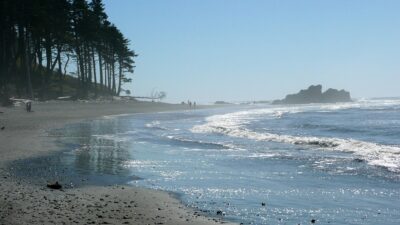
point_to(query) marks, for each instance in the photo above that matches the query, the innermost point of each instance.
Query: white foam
(155, 123)
(117, 115)
(141, 163)
(199, 142)
(112, 137)
(233, 124)
(361, 104)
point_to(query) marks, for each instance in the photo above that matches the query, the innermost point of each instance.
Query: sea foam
(234, 125)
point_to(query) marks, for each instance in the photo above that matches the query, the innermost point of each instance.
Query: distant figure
(194, 105)
(190, 104)
(28, 106)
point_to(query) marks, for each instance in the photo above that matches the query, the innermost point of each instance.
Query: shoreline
(24, 136)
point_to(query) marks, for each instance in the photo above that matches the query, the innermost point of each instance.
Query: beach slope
(24, 136)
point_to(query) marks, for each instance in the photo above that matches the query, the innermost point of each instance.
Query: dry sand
(24, 136)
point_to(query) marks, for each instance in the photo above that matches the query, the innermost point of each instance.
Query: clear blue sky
(209, 50)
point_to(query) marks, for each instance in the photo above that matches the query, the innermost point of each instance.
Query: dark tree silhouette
(40, 39)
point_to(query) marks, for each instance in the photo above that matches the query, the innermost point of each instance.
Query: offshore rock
(314, 94)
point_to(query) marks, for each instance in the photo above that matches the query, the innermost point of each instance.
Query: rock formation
(314, 94)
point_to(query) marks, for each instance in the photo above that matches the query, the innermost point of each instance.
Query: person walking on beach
(28, 106)
(194, 105)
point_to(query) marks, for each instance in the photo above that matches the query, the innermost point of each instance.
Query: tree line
(41, 40)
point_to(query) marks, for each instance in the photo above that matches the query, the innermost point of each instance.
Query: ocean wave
(117, 115)
(363, 104)
(329, 128)
(111, 137)
(244, 117)
(234, 125)
(202, 144)
(142, 163)
(155, 125)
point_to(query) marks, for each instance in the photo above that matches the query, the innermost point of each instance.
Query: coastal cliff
(314, 94)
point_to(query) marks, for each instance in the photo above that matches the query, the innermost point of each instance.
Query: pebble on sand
(220, 213)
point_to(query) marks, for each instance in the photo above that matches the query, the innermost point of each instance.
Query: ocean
(256, 164)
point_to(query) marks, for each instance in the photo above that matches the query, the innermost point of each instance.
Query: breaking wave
(198, 144)
(234, 125)
(155, 125)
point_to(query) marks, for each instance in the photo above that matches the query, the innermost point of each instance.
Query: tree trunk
(28, 67)
(120, 78)
(21, 56)
(40, 59)
(105, 75)
(108, 76)
(89, 67)
(65, 66)
(60, 75)
(100, 70)
(81, 71)
(94, 73)
(113, 77)
(48, 66)
(3, 60)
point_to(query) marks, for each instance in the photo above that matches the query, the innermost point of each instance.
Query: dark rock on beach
(55, 185)
(314, 94)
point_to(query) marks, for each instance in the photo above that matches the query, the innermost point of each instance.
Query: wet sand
(24, 136)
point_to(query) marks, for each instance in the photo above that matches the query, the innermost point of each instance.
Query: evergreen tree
(39, 37)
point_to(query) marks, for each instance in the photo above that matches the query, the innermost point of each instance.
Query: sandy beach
(24, 136)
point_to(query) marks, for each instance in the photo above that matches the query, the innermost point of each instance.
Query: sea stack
(314, 94)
